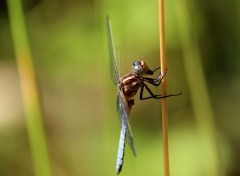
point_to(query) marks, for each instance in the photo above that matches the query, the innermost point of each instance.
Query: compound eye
(137, 68)
(136, 63)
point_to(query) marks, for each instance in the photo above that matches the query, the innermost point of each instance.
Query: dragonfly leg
(153, 95)
(157, 81)
(151, 72)
(156, 69)
(141, 93)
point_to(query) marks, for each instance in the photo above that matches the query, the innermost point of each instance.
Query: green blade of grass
(29, 90)
(198, 90)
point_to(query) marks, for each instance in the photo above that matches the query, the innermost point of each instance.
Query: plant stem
(202, 108)
(30, 94)
(164, 89)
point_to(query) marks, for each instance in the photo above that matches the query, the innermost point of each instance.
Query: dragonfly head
(141, 68)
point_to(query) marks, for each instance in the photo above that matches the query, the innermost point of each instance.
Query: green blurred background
(69, 47)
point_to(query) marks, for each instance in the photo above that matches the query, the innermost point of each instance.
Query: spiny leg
(155, 69)
(152, 94)
(155, 81)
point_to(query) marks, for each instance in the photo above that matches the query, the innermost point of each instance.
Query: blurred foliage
(69, 46)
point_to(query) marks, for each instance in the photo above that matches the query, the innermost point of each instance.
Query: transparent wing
(122, 105)
(123, 112)
(114, 70)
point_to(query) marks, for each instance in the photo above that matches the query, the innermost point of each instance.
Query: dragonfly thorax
(129, 85)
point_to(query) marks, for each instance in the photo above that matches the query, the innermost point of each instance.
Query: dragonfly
(127, 87)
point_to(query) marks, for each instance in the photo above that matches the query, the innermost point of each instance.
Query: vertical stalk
(29, 90)
(164, 89)
(202, 107)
